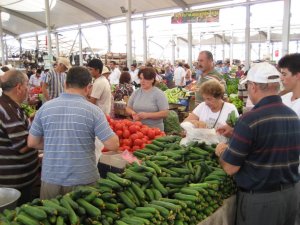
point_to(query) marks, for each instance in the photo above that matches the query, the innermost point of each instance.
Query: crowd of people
(262, 152)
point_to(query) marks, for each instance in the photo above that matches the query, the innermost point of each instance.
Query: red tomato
(140, 134)
(124, 147)
(149, 142)
(127, 122)
(119, 133)
(118, 126)
(151, 134)
(144, 130)
(134, 136)
(132, 129)
(127, 142)
(126, 133)
(157, 131)
(108, 118)
(134, 148)
(144, 126)
(137, 142)
(138, 123)
(144, 139)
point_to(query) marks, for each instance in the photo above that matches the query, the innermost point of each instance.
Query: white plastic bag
(98, 149)
(209, 136)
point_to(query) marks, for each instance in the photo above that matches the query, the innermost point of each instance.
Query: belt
(274, 188)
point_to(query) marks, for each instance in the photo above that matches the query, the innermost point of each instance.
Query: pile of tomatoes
(133, 135)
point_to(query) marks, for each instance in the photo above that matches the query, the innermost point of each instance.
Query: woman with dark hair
(148, 104)
(124, 88)
(188, 74)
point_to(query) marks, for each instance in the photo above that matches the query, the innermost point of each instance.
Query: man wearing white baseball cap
(263, 153)
(54, 82)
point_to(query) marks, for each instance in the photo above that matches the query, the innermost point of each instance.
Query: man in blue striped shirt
(263, 154)
(66, 128)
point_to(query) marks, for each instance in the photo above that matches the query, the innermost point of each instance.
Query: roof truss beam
(85, 9)
(24, 17)
(10, 33)
(182, 4)
(222, 38)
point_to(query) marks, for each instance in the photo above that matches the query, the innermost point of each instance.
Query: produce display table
(225, 215)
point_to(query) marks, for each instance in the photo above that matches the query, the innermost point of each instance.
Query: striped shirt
(266, 145)
(55, 83)
(69, 125)
(16, 170)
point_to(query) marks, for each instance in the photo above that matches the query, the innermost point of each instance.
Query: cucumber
(110, 214)
(127, 201)
(173, 180)
(156, 193)
(138, 191)
(150, 194)
(182, 171)
(90, 197)
(186, 197)
(158, 144)
(99, 203)
(71, 202)
(114, 177)
(146, 210)
(135, 176)
(107, 196)
(90, 209)
(26, 219)
(154, 166)
(60, 220)
(109, 183)
(61, 210)
(119, 222)
(167, 205)
(35, 212)
(73, 218)
(153, 147)
(49, 210)
(162, 210)
(189, 191)
(159, 186)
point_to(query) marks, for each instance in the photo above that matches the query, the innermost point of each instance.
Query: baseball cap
(262, 73)
(65, 62)
(105, 70)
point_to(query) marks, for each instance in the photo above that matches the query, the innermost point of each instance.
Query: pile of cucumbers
(173, 185)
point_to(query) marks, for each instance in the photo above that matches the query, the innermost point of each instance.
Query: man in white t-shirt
(134, 74)
(179, 75)
(101, 93)
(290, 77)
(115, 74)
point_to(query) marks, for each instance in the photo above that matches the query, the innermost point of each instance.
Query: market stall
(172, 184)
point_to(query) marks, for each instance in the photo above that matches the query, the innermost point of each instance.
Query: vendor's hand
(225, 130)
(135, 117)
(143, 115)
(220, 149)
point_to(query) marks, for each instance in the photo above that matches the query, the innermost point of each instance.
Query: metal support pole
(223, 47)
(129, 35)
(20, 46)
(36, 42)
(80, 46)
(145, 40)
(57, 45)
(49, 42)
(173, 49)
(108, 37)
(82, 34)
(269, 43)
(190, 44)
(1, 41)
(259, 45)
(286, 27)
(73, 44)
(231, 47)
(247, 38)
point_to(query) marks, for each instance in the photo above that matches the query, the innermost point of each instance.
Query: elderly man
(263, 154)
(54, 81)
(18, 163)
(66, 128)
(206, 65)
(290, 77)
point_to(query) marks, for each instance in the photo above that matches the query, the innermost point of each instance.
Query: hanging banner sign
(206, 16)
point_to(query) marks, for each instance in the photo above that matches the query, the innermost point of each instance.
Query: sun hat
(105, 70)
(65, 62)
(262, 73)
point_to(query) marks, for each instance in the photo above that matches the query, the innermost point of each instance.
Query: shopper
(18, 163)
(213, 112)
(148, 104)
(115, 73)
(66, 128)
(124, 88)
(206, 65)
(290, 77)
(100, 93)
(179, 75)
(263, 154)
(53, 84)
